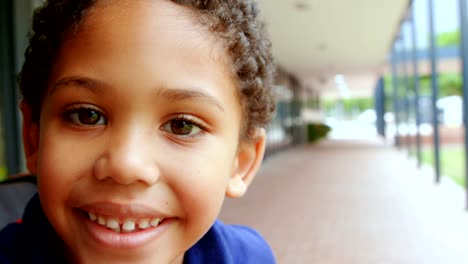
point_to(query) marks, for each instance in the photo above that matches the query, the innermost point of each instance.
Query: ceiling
(319, 39)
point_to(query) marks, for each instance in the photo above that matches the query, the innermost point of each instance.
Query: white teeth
(155, 222)
(101, 220)
(113, 223)
(144, 223)
(92, 216)
(129, 225)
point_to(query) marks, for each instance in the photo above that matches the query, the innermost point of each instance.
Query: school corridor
(353, 202)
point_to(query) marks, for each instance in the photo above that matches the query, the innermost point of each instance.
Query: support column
(417, 111)
(464, 59)
(8, 91)
(435, 112)
(379, 99)
(396, 99)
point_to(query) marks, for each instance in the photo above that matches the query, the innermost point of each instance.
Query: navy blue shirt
(35, 241)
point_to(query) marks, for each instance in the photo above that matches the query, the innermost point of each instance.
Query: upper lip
(123, 211)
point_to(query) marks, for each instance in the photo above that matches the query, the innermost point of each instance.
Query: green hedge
(3, 173)
(316, 132)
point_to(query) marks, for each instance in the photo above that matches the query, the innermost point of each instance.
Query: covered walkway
(353, 202)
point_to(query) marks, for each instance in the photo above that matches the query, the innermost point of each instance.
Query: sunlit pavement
(353, 201)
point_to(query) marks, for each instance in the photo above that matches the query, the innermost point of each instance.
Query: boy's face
(140, 123)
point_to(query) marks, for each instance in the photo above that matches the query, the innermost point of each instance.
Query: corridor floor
(353, 202)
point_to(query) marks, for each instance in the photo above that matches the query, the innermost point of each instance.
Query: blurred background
(368, 68)
(371, 105)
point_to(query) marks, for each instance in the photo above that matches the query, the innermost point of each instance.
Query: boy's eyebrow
(175, 94)
(184, 94)
(77, 81)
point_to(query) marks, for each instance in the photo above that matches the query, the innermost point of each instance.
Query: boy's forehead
(142, 35)
(135, 18)
(146, 16)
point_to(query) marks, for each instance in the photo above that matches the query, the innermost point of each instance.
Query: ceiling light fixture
(301, 5)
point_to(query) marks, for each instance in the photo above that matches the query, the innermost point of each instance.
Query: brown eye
(182, 127)
(86, 116)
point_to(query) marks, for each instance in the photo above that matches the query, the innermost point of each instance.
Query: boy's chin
(98, 244)
(84, 256)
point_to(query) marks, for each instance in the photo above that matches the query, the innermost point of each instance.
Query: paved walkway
(353, 202)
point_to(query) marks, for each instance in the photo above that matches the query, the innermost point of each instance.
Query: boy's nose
(127, 159)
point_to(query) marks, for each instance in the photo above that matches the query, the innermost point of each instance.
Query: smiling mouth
(125, 225)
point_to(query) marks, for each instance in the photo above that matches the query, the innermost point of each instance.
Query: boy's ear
(248, 161)
(30, 137)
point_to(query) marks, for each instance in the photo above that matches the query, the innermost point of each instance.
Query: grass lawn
(452, 160)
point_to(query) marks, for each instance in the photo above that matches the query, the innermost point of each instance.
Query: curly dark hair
(233, 21)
